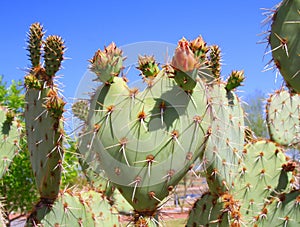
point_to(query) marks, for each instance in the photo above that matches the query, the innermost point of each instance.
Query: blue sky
(89, 25)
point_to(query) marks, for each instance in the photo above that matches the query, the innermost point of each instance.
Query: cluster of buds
(185, 65)
(148, 67)
(108, 63)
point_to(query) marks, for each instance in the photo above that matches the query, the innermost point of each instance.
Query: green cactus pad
(35, 37)
(215, 61)
(10, 135)
(147, 140)
(285, 42)
(235, 80)
(102, 212)
(261, 175)
(226, 143)
(53, 54)
(283, 118)
(283, 210)
(68, 210)
(212, 210)
(44, 138)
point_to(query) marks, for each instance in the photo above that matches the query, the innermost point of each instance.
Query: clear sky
(89, 25)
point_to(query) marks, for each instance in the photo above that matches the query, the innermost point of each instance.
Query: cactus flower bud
(185, 66)
(108, 63)
(235, 80)
(199, 48)
(184, 59)
(148, 66)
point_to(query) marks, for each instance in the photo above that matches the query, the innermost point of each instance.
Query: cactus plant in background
(224, 150)
(10, 134)
(43, 115)
(264, 175)
(283, 118)
(9, 147)
(285, 44)
(45, 137)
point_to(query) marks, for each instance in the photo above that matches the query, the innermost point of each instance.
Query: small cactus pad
(53, 54)
(283, 118)
(85, 208)
(226, 142)
(45, 139)
(35, 37)
(212, 210)
(102, 212)
(283, 210)
(235, 80)
(215, 61)
(285, 42)
(261, 175)
(9, 133)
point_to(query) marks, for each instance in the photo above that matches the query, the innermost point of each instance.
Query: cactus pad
(86, 208)
(261, 175)
(147, 140)
(35, 37)
(226, 143)
(283, 118)
(53, 54)
(285, 44)
(9, 132)
(283, 210)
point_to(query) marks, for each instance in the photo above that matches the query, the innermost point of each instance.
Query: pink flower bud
(184, 59)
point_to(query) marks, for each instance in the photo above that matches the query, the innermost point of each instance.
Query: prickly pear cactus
(85, 208)
(214, 210)
(285, 44)
(10, 134)
(43, 114)
(262, 174)
(283, 118)
(225, 145)
(148, 140)
(283, 210)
